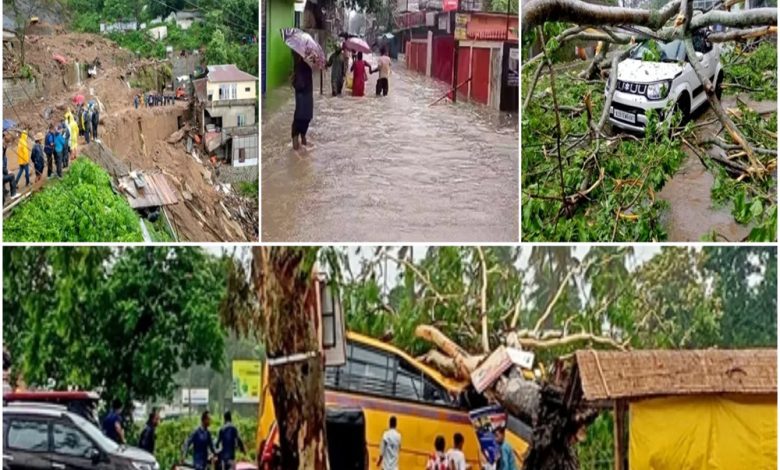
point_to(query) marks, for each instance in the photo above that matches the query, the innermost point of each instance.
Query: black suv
(44, 436)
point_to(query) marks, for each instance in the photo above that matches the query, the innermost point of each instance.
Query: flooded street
(692, 214)
(391, 168)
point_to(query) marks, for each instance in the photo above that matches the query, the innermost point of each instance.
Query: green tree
(217, 51)
(120, 320)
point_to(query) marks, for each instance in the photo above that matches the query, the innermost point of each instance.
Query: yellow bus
(380, 381)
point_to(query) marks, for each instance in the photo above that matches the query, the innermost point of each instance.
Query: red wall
(416, 56)
(443, 50)
(464, 58)
(480, 71)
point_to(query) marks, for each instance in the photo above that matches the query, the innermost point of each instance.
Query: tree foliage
(122, 321)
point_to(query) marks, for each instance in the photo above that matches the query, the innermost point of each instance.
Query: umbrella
(305, 46)
(78, 99)
(357, 44)
(8, 124)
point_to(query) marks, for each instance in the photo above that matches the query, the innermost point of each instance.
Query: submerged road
(391, 168)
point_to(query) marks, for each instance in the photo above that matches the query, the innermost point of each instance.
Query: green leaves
(80, 208)
(124, 320)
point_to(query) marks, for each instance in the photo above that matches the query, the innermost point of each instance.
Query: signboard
(461, 21)
(486, 421)
(449, 5)
(471, 5)
(247, 378)
(195, 396)
(513, 72)
(444, 22)
(413, 5)
(497, 363)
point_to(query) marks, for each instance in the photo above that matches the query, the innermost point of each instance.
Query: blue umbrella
(8, 124)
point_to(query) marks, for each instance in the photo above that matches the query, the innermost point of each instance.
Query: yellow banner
(247, 381)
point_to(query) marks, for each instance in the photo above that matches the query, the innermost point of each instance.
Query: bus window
(408, 384)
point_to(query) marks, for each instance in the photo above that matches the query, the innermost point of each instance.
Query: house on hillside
(678, 409)
(227, 99)
(184, 18)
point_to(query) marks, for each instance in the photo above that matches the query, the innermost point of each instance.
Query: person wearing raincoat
(74, 137)
(95, 118)
(65, 131)
(23, 157)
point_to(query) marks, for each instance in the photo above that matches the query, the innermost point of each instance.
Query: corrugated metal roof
(228, 73)
(606, 375)
(156, 192)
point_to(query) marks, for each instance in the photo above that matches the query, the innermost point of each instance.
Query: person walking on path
(60, 144)
(135, 101)
(66, 151)
(95, 118)
(23, 158)
(506, 455)
(359, 75)
(86, 118)
(201, 443)
(383, 84)
(37, 156)
(112, 423)
(455, 456)
(338, 62)
(8, 178)
(438, 460)
(227, 442)
(147, 438)
(48, 149)
(304, 101)
(390, 447)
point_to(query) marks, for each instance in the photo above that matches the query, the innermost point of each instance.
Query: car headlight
(145, 466)
(658, 90)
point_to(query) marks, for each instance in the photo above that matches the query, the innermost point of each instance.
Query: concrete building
(158, 33)
(185, 18)
(228, 99)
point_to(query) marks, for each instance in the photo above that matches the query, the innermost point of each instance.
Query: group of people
(341, 64)
(51, 152)
(151, 100)
(204, 450)
(452, 459)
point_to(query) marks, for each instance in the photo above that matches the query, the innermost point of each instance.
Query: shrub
(81, 207)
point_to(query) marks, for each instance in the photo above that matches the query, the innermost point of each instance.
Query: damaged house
(226, 100)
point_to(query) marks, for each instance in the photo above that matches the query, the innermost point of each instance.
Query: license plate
(622, 115)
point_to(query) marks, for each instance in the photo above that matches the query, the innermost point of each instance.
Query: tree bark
(283, 280)
(536, 12)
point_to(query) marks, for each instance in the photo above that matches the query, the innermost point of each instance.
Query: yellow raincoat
(74, 135)
(23, 150)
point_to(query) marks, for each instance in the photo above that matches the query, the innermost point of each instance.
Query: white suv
(658, 76)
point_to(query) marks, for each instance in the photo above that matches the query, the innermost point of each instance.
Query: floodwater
(390, 168)
(692, 213)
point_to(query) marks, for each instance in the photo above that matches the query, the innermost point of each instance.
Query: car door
(71, 448)
(26, 444)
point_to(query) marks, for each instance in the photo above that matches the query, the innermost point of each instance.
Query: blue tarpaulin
(8, 124)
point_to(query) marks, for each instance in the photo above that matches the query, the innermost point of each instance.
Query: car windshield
(94, 433)
(658, 51)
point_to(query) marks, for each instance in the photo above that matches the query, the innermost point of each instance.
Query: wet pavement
(692, 214)
(391, 168)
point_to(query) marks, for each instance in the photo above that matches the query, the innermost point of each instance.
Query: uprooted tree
(616, 29)
(553, 304)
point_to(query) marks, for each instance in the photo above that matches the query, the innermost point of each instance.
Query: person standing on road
(359, 75)
(438, 460)
(383, 84)
(23, 158)
(506, 455)
(390, 447)
(304, 101)
(48, 149)
(201, 443)
(147, 438)
(337, 60)
(37, 156)
(112, 423)
(7, 177)
(227, 441)
(60, 144)
(455, 456)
